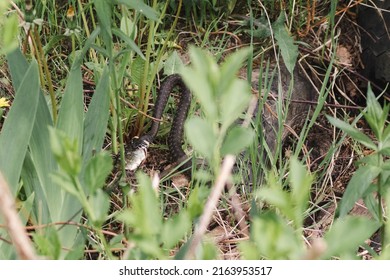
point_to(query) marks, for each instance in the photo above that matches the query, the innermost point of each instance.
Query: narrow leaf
(353, 132)
(96, 118)
(141, 7)
(128, 41)
(40, 162)
(300, 181)
(18, 126)
(374, 115)
(87, 45)
(104, 10)
(71, 115)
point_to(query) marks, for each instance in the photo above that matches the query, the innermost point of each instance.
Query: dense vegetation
(79, 80)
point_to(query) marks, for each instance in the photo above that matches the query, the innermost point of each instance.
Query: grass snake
(139, 145)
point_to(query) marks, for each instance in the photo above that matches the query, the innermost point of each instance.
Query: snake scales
(140, 145)
(296, 114)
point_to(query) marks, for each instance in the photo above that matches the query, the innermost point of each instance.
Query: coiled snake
(297, 112)
(138, 146)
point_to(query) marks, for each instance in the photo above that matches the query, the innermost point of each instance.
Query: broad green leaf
(353, 132)
(201, 78)
(47, 192)
(233, 101)
(201, 136)
(96, 172)
(197, 200)
(357, 229)
(372, 205)
(65, 151)
(274, 238)
(63, 180)
(174, 229)
(67, 154)
(386, 165)
(33, 187)
(144, 217)
(18, 67)
(277, 198)
(230, 67)
(236, 140)
(201, 89)
(137, 70)
(248, 250)
(71, 114)
(48, 243)
(357, 186)
(18, 126)
(385, 149)
(40, 162)
(100, 204)
(205, 64)
(286, 43)
(300, 181)
(96, 118)
(141, 7)
(151, 247)
(173, 64)
(77, 252)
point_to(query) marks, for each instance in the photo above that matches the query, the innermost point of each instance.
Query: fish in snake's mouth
(139, 145)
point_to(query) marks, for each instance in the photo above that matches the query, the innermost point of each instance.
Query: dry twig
(15, 227)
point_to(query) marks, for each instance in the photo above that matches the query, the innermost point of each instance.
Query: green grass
(94, 87)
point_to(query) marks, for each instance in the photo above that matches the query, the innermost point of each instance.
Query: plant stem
(380, 212)
(41, 58)
(89, 211)
(145, 90)
(119, 122)
(144, 94)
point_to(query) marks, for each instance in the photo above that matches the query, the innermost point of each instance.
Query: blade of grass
(18, 127)
(70, 121)
(96, 118)
(70, 117)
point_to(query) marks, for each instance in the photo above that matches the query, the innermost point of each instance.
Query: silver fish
(136, 158)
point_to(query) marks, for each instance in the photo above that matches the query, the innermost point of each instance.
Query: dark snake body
(297, 114)
(176, 133)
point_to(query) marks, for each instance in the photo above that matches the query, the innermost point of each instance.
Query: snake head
(138, 152)
(139, 143)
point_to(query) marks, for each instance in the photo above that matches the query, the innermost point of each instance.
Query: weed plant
(57, 138)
